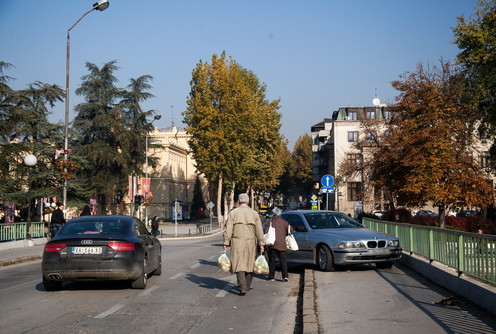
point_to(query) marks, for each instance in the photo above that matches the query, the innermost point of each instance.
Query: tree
(428, 155)
(24, 129)
(111, 128)
(301, 165)
(234, 129)
(476, 37)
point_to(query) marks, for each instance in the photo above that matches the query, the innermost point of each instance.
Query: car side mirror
(300, 229)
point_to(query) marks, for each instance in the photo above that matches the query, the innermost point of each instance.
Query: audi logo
(86, 242)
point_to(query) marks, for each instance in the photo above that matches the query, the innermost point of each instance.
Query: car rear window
(325, 220)
(93, 227)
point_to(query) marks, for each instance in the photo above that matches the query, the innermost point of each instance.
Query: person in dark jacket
(155, 226)
(279, 247)
(57, 219)
(86, 211)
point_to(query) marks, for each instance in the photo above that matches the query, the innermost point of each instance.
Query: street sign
(327, 181)
(313, 197)
(210, 205)
(329, 190)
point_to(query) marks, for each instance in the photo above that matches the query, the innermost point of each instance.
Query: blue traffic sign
(327, 181)
(329, 190)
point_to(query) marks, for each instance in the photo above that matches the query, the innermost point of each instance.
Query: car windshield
(325, 220)
(93, 227)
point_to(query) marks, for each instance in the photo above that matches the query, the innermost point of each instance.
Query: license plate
(86, 250)
(379, 251)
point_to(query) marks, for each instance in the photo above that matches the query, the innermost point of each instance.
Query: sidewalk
(19, 251)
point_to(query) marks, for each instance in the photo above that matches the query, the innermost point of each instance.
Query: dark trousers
(283, 262)
(244, 280)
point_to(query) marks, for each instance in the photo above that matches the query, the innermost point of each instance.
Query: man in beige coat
(244, 234)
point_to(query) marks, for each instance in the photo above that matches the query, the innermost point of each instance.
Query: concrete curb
(9, 262)
(309, 312)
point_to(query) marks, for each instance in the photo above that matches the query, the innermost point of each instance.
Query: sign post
(327, 181)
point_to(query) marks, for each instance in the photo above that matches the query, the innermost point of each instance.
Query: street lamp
(101, 5)
(156, 118)
(30, 161)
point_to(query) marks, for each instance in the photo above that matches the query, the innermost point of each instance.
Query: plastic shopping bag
(224, 262)
(270, 236)
(261, 265)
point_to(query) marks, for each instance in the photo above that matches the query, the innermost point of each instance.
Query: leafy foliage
(428, 156)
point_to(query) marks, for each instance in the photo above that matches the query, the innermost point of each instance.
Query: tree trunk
(442, 215)
(220, 220)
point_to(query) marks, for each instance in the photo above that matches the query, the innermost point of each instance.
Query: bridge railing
(468, 253)
(17, 231)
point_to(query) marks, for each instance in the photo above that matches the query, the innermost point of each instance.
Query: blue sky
(315, 55)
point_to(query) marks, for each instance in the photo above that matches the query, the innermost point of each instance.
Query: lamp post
(156, 118)
(101, 5)
(30, 161)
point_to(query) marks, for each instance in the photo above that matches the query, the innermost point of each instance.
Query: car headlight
(393, 243)
(351, 244)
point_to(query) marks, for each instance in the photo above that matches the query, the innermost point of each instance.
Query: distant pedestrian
(279, 248)
(57, 219)
(86, 211)
(155, 226)
(244, 235)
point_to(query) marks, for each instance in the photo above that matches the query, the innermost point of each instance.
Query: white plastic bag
(224, 262)
(261, 265)
(270, 236)
(291, 243)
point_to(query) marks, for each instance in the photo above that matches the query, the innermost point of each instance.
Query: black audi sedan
(101, 248)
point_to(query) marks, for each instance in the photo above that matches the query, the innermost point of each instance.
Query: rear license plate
(87, 250)
(379, 251)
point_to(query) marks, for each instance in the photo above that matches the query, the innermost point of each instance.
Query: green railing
(17, 231)
(468, 253)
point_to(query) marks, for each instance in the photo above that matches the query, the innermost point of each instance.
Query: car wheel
(158, 271)
(325, 259)
(51, 285)
(140, 282)
(384, 265)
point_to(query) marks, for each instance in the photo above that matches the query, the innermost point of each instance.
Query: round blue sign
(327, 181)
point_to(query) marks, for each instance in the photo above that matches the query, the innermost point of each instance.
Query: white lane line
(195, 265)
(148, 291)
(228, 287)
(109, 311)
(177, 275)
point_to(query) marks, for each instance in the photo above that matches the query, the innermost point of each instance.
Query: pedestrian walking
(155, 226)
(244, 235)
(86, 211)
(279, 247)
(57, 219)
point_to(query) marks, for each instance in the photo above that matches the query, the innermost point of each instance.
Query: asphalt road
(191, 296)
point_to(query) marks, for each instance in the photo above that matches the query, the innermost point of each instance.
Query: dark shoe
(243, 292)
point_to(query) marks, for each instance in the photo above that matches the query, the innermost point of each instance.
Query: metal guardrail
(17, 231)
(468, 253)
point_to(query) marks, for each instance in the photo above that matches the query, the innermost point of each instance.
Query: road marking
(195, 265)
(33, 282)
(176, 276)
(148, 291)
(110, 311)
(228, 287)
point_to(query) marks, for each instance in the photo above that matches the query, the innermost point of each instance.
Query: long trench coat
(244, 234)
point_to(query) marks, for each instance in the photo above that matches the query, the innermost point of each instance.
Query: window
(370, 137)
(354, 159)
(484, 159)
(354, 191)
(294, 220)
(352, 115)
(387, 114)
(352, 136)
(371, 114)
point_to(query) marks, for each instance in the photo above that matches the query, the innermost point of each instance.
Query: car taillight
(121, 246)
(54, 247)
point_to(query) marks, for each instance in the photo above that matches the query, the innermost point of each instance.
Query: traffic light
(137, 200)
